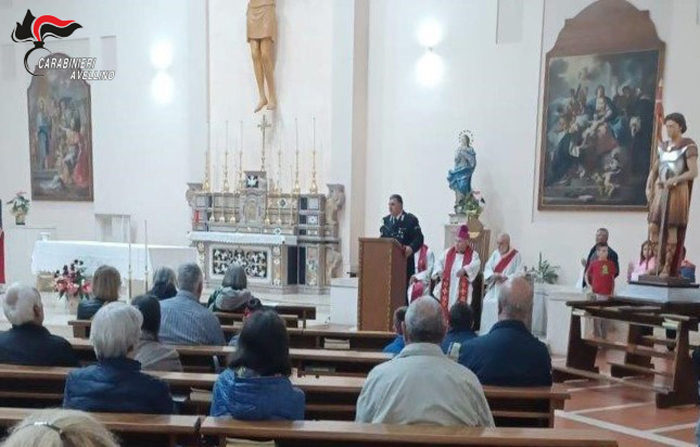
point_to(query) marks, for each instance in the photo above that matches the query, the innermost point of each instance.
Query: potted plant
(71, 283)
(544, 273)
(20, 207)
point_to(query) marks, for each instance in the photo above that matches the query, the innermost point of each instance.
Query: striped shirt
(183, 321)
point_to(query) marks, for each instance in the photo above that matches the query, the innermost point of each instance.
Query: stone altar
(287, 242)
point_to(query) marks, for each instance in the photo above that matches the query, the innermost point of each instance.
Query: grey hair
(189, 276)
(425, 321)
(235, 277)
(57, 428)
(18, 304)
(515, 300)
(116, 328)
(164, 275)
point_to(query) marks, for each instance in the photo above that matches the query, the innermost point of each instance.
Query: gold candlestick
(313, 189)
(226, 185)
(296, 189)
(206, 186)
(240, 161)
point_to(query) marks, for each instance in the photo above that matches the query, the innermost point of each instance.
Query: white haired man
(116, 384)
(28, 342)
(504, 263)
(421, 385)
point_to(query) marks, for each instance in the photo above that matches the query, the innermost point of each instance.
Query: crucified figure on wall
(261, 21)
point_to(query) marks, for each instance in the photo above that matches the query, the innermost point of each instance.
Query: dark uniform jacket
(405, 229)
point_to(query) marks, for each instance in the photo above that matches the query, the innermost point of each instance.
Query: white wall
(494, 91)
(144, 153)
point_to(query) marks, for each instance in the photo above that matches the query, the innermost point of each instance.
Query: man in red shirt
(600, 277)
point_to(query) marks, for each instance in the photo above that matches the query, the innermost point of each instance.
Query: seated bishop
(457, 269)
(419, 283)
(505, 263)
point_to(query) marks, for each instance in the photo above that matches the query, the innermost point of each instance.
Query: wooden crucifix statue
(261, 26)
(669, 188)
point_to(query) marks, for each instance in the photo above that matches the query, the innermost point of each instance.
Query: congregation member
(419, 282)
(601, 273)
(183, 320)
(421, 385)
(150, 352)
(461, 321)
(28, 342)
(60, 428)
(398, 343)
(646, 265)
(256, 385)
(601, 236)
(116, 384)
(405, 228)
(509, 355)
(504, 263)
(233, 294)
(164, 283)
(106, 283)
(457, 269)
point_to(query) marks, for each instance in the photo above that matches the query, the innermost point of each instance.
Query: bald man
(509, 355)
(421, 385)
(505, 263)
(29, 342)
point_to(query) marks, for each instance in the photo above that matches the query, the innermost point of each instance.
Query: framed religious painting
(598, 126)
(60, 136)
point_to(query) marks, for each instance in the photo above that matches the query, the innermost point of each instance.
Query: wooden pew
(327, 397)
(321, 337)
(306, 361)
(227, 318)
(346, 434)
(132, 429)
(317, 337)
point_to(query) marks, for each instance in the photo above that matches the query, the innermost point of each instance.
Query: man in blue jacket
(509, 355)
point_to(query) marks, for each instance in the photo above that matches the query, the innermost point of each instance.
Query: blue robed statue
(460, 177)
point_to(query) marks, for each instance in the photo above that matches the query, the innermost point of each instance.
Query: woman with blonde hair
(60, 428)
(106, 283)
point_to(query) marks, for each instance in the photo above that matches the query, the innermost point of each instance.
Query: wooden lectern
(382, 287)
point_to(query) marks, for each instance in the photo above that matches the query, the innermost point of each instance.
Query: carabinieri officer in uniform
(403, 227)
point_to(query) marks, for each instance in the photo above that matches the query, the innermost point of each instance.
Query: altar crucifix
(263, 126)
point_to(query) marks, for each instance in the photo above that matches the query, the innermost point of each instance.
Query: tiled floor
(627, 414)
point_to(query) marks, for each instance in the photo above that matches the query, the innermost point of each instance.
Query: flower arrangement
(473, 205)
(71, 281)
(20, 204)
(545, 272)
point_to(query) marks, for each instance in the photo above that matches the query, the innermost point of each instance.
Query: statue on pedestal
(668, 190)
(460, 177)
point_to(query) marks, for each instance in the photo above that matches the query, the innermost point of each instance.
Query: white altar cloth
(242, 238)
(49, 256)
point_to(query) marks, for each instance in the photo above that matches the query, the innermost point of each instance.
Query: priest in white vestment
(457, 269)
(505, 263)
(419, 283)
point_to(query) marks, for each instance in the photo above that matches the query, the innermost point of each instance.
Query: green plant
(472, 205)
(20, 204)
(545, 272)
